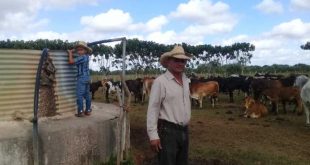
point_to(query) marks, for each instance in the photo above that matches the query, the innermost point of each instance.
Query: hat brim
(181, 56)
(88, 49)
(166, 56)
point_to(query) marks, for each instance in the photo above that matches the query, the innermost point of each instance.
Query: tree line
(143, 56)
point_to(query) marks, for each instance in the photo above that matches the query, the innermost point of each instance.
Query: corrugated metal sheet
(17, 81)
(65, 86)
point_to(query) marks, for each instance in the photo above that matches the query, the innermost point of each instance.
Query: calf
(135, 87)
(254, 109)
(111, 88)
(95, 86)
(284, 94)
(147, 86)
(199, 90)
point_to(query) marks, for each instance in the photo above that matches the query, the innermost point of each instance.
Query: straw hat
(83, 45)
(176, 52)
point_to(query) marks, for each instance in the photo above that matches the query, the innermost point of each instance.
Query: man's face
(176, 65)
(81, 50)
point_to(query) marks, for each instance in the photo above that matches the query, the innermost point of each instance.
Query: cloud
(65, 4)
(203, 12)
(20, 17)
(15, 6)
(279, 51)
(156, 23)
(12, 23)
(267, 44)
(279, 45)
(163, 37)
(238, 38)
(280, 56)
(215, 28)
(51, 35)
(172, 37)
(300, 4)
(118, 21)
(204, 18)
(270, 7)
(114, 20)
(294, 29)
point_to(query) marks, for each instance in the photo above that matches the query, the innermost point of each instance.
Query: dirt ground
(222, 136)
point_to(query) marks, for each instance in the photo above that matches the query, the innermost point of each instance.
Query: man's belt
(165, 123)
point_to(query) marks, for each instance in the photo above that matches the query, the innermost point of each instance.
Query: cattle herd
(259, 91)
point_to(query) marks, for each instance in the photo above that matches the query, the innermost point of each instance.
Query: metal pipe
(123, 99)
(122, 118)
(124, 67)
(35, 132)
(119, 133)
(105, 41)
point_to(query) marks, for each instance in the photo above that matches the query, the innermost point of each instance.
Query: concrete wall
(63, 139)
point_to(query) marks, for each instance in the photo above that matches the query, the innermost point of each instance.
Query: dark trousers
(174, 141)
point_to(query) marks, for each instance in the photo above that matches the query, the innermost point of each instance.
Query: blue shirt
(82, 64)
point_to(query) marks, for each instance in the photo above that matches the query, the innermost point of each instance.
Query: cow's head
(248, 102)
(103, 82)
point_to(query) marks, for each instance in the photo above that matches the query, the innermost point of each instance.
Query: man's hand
(155, 145)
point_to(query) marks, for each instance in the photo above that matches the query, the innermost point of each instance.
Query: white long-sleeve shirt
(168, 101)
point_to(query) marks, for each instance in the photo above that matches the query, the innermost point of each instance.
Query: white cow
(303, 82)
(300, 81)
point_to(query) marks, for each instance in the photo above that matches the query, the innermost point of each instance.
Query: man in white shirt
(169, 110)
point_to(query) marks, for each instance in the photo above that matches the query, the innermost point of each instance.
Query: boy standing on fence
(83, 78)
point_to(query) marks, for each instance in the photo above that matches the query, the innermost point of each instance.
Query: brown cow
(254, 109)
(259, 85)
(201, 89)
(284, 94)
(147, 86)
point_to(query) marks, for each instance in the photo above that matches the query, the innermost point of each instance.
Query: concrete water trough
(63, 139)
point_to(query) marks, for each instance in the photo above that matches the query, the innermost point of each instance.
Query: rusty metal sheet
(65, 85)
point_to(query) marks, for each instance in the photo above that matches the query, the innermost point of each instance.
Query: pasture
(222, 136)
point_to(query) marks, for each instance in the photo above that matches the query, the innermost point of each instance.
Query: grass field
(222, 136)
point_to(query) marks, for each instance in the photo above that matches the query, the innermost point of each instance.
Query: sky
(277, 28)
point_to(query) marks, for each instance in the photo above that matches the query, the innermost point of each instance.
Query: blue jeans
(82, 92)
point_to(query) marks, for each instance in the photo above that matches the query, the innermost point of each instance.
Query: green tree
(306, 46)
(143, 56)
(242, 53)
(103, 55)
(232, 69)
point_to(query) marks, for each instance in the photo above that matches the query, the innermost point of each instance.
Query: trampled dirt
(222, 136)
